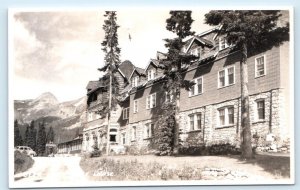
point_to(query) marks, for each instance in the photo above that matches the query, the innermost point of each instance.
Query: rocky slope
(64, 117)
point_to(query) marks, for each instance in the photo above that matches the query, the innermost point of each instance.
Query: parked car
(26, 150)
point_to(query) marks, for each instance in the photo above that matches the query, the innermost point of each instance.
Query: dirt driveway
(52, 171)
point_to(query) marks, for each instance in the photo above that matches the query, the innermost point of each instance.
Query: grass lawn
(149, 167)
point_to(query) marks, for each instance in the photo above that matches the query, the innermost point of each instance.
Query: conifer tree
(17, 135)
(111, 63)
(30, 136)
(250, 32)
(41, 139)
(50, 135)
(174, 64)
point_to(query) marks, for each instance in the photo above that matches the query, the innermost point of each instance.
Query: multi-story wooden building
(211, 110)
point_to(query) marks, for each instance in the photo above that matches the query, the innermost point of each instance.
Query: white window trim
(123, 134)
(265, 67)
(256, 110)
(195, 121)
(226, 119)
(171, 97)
(147, 125)
(196, 85)
(135, 81)
(153, 74)
(133, 133)
(226, 76)
(226, 44)
(151, 101)
(125, 113)
(135, 106)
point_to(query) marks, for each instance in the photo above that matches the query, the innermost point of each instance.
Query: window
(260, 66)
(133, 133)
(123, 138)
(151, 101)
(260, 109)
(125, 113)
(134, 81)
(226, 77)
(192, 123)
(230, 115)
(151, 74)
(169, 96)
(222, 116)
(197, 88)
(196, 51)
(198, 121)
(148, 130)
(226, 116)
(195, 121)
(135, 106)
(223, 43)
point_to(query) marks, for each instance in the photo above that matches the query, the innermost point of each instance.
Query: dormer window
(223, 43)
(134, 81)
(196, 51)
(151, 74)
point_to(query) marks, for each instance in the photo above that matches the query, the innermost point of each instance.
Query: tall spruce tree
(17, 135)
(174, 64)
(30, 136)
(111, 63)
(250, 32)
(41, 139)
(50, 135)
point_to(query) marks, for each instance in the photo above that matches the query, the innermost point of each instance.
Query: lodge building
(210, 111)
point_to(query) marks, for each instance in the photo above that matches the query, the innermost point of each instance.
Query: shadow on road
(276, 165)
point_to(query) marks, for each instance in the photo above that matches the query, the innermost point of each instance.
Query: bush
(96, 152)
(22, 162)
(214, 149)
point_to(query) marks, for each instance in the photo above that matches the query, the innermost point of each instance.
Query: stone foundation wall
(211, 132)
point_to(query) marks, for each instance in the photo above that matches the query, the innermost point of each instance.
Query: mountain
(66, 118)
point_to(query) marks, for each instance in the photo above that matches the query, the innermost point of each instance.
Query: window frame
(196, 126)
(133, 133)
(152, 73)
(221, 40)
(265, 67)
(148, 127)
(135, 106)
(226, 116)
(195, 88)
(126, 113)
(257, 109)
(149, 99)
(226, 76)
(135, 81)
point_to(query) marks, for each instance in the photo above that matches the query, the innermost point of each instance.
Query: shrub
(96, 152)
(220, 148)
(22, 162)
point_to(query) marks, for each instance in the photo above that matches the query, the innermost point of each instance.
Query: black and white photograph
(144, 96)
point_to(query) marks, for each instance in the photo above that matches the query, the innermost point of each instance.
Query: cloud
(58, 51)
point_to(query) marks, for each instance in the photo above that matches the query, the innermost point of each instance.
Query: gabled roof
(140, 72)
(201, 40)
(126, 68)
(155, 62)
(94, 84)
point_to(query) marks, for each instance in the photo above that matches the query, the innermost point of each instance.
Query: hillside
(66, 118)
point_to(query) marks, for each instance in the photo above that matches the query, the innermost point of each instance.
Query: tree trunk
(246, 146)
(176, 124)
(108, 115)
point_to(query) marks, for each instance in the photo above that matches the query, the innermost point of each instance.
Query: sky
(60, 51)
